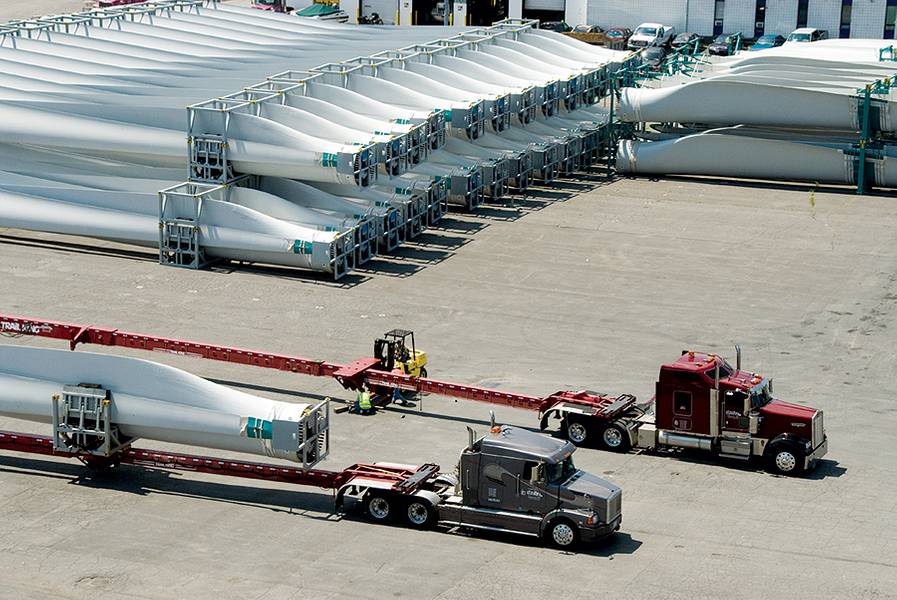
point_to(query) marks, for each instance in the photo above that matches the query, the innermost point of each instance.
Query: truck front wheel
(615, 438)
(563, 534)
(784, 458)
(379, 507)
(420, 514)
(577, 431)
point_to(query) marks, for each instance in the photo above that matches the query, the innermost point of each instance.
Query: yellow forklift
(393, 351)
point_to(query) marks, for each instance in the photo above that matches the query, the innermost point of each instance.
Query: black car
(558, 26)
(686, 41)
(653, 56)
(723, 45)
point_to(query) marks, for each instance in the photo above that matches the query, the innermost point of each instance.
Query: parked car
(323, 12)
(373, 19)
(558, 26)
(114, 3)
(651, 34)
(808, 34)
(587, 29)
(616, 37)
(724, 44)
(654, 56)
(765, 42)
(686, 40)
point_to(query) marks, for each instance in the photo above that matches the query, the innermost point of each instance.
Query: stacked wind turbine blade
(340, 152)
(794, 113)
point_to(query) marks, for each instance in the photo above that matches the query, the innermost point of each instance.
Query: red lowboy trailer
(701, 401)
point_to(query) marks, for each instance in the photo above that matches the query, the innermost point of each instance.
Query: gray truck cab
(516, 480)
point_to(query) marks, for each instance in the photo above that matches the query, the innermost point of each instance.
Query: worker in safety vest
(363, 403)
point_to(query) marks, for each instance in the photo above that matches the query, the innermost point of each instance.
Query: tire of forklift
(423, 372)
(615, 438)
(379, 506)
(419, 514)
(576, 430)
(784, 458)
(562, 534)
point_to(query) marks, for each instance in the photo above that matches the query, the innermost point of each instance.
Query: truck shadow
(825, 468)
(619, 543)
(270, 389)
(146, 481)
(414, 409)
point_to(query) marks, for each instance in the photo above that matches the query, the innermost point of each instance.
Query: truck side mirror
(536, 474)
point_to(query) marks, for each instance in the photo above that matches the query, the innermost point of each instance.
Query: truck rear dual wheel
(611, 437)
(576, 430)
(419, 514)
(615, 438)
(384, 508)
(379, 507)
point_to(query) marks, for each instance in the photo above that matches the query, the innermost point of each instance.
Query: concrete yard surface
(589, 286)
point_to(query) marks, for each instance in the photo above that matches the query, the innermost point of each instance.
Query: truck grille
(818, 429)
(614, 506)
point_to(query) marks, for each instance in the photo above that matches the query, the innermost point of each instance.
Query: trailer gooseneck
(701, 401)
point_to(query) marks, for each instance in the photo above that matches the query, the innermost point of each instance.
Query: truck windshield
(799, 37)
(560, 472)
(725, 370)
(649, 31)
(760, 397)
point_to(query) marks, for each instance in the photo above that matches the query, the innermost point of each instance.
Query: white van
(651, 34)
(807, 34)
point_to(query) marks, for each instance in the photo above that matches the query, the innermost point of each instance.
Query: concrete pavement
(593, 288)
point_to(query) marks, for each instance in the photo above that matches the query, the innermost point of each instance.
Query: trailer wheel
(419, 514)
(615, 438)
(562, 534)
(784, 458)
(576, 431)
(379, 507)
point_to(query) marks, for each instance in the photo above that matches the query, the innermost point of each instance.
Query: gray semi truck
(510, 480)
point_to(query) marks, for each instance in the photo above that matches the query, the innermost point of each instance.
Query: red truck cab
(703, 402)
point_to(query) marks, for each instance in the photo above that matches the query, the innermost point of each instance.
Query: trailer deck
(361, 372)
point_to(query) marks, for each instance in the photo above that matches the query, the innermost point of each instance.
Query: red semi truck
(702, 402)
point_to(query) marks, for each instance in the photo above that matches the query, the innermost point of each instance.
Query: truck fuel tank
(667, 438)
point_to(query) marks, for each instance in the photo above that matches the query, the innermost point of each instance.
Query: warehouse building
(841, 18)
